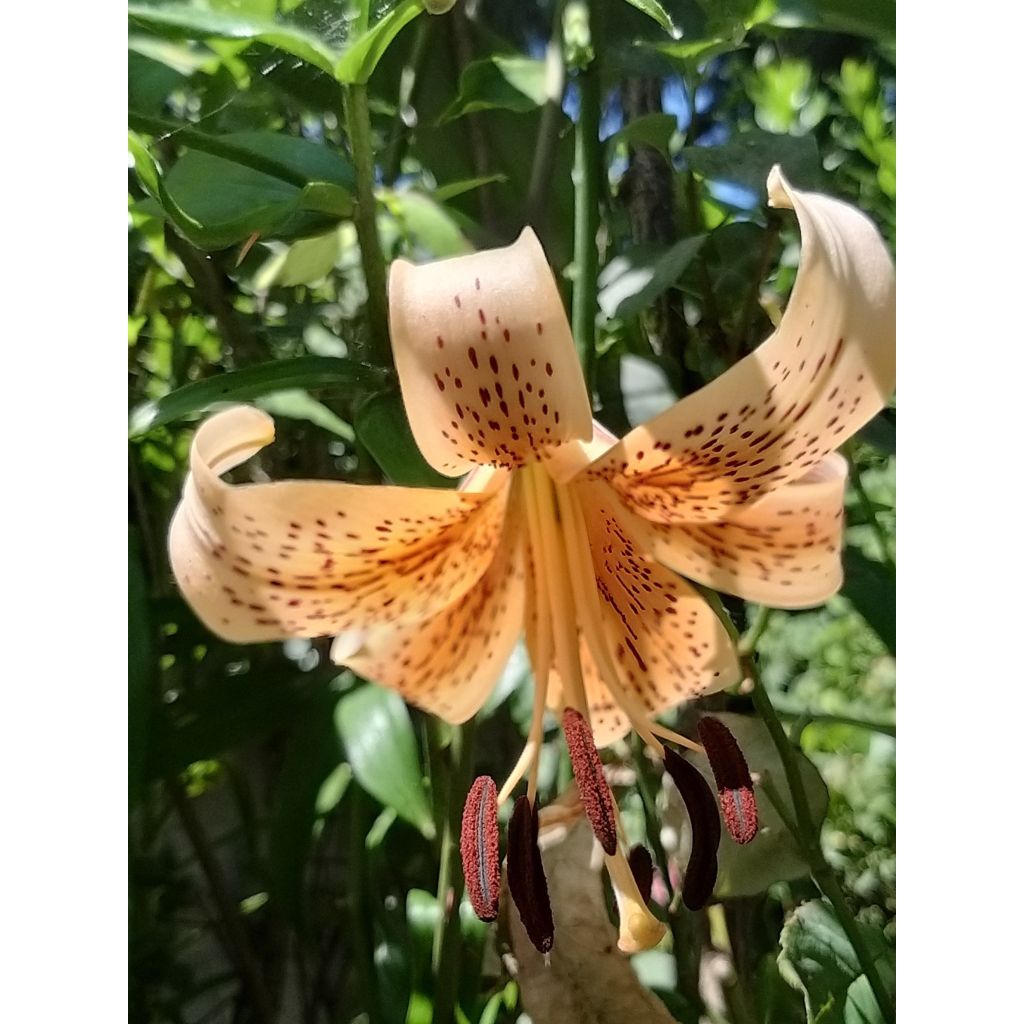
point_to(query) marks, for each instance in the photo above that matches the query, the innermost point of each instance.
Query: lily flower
(559, 529)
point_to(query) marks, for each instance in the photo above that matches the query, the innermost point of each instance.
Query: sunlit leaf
(375, 727)
(244, 385)
(506, 82)
(190, 21)
(358, 61)
(632, 280)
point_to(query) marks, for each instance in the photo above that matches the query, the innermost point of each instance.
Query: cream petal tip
(778, 189)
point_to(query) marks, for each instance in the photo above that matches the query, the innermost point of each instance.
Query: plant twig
(544, 154)
(870, 509)
(357, 121)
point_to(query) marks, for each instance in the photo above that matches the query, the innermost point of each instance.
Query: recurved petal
(449, 664)
(485, 357)
(668, 646)
(827, 369)
(260, 562)
(783, 550)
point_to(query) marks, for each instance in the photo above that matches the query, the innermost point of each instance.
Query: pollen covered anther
(732, 777)
(705, 827)
(642, 866)
(481, 862)
(526, 880)
(589, 774)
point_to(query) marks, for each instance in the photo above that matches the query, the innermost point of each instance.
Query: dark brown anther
(705, 826)
(526, 879)
(732, 777)
(481, 862)
(589, 774)
(642, 866)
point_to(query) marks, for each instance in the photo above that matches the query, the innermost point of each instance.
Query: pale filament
(529, 759)
(676, 737)
(588, 604)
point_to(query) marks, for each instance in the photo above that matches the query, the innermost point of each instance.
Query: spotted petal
(310, 558)
(449, 664)
(783, 550)
(827, 369)
(667, 644)
(485, 358)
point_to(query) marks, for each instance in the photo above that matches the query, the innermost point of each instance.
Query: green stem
(885, 728)
(586, 175)
(357, 121)
(448, 936)
(547, 132)
(408, 89)
(806, 835)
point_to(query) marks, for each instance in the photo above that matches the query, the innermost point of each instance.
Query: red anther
(481, 863)
(589, 774)
(732, 777)
(705, 826)
(526, 879)
(642, 866)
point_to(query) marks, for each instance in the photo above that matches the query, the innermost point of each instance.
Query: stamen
(589, 774)
(732, 777)
(589, 607)
(676, 737)
(639, 929)
(481, 863)
(544, 525)
(705, 827)
(526, 879)
(642, 866)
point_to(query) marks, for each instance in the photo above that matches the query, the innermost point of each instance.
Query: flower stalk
(586, 176)
(357, 123)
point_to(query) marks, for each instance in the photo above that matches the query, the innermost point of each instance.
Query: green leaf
(870, 587)
(503, 82)
(875, 19)
(218, 201)
(817, 957)
(654, 10)
(773, 856)
(375, 727)
(358, 61)
(426, 223)
(748, 157)
(311, 758)
(650, 130)
(382, 425)
(632, 281)
(296, 404)
(252, 382)
(180, 20)
(145, 166)
(457, 188)
(304, 261)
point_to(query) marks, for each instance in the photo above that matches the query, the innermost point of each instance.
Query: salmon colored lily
(558, 528)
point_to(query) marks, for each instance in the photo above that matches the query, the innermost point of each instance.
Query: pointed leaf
(633, 280)
(252, 382)
(358, 61)
(504, 82)
(189, 21)
(375, 727)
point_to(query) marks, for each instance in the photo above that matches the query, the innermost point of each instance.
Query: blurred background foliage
(288, 821)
